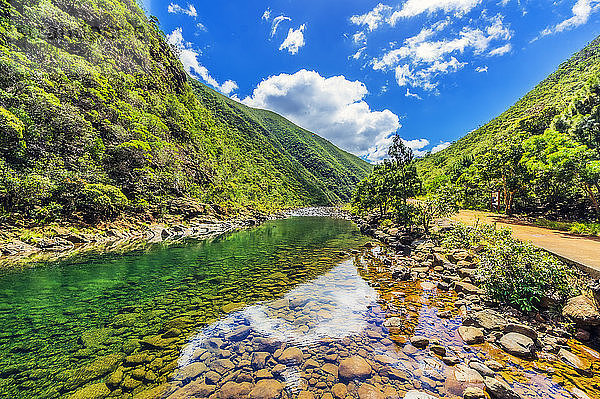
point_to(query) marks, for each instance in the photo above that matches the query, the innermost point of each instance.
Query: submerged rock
(95, 391)
(266, 389)
(414, 394)
(354, 367)
(500, 390)
(573, 360)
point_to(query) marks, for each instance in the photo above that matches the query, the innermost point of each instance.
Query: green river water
(271, 312)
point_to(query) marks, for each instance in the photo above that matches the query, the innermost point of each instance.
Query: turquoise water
(71, 324)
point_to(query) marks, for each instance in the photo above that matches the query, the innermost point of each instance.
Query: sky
(358, 72)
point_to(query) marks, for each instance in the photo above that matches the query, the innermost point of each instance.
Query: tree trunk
(506, 199)
(590, 192)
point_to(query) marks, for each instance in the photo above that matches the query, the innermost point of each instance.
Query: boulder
(499, 389)
(354, 367)
(518, 345)
(467, 288)
(95, 391)
(339, 390)
(234, 390)
(582, 311)
(239, 333)
(573, 360)
(466, 374)
(414, 394)
(521, 329)
(474, 393)
(488, 319)
(471, 335)
(418, 341)
(482, 369)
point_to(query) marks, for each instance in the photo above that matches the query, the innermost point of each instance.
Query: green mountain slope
(97, 117)
(463, 161)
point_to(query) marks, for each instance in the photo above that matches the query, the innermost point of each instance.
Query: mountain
(98, 117)
(505, 143)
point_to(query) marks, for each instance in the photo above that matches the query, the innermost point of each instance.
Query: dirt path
(584, 251)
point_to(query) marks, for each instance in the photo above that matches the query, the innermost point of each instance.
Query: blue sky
(356, 71)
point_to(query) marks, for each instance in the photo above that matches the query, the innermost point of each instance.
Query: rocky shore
(58, 242)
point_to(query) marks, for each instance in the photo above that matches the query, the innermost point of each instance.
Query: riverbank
(20, 247)
(566, 333)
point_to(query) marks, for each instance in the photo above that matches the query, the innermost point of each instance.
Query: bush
(512, 271)
(102, 201)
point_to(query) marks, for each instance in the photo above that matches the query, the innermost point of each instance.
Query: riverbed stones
(573, 360)
(354, 367)
(95, 391)
(521, 329)
(291, 355)
(234, 390)
(467, 288)
(471, 335)
(518, 345)
(239, 333)
(482, 369)
(414, 394)
(368, 391)
(463, 373)
(582, 311)
(474, 393)
(487, 319)
(499, 389)
(339, 390)
(266, 389)
(419, 341)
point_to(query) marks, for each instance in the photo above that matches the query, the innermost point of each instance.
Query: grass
(579, 228)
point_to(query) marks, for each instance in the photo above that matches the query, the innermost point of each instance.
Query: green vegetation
(512, 271)
(542, 154)
(393, 183)
(98, 117)
(586, 229)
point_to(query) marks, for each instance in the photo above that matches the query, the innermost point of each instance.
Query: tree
(441, 203)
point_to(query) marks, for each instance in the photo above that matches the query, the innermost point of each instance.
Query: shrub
(102, 201)
(512, 271)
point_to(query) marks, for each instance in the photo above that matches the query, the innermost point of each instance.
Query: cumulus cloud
(276, 21)
(177, 9)
(422, 58)
(440, 147)
(582, 10)
(189, 58)
(334, 108)
(294, 40)
(481, 69)
(374, 18)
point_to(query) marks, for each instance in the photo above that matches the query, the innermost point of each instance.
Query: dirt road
(584, 251)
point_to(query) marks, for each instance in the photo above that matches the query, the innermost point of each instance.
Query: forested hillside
(98, 117)
(541, 154)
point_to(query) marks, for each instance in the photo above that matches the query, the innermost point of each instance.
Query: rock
(98, 368)
(95, 391)
(471, 335)
(414, 394)
(467, 288)
(263, 374)
(212, 377)
(188, 207)
(339, 390)
(474, 393)
(95, 337)
(330, 368)
(579, 394)
(239, 333)
(518, 345)
(368, 391)
(394, 322)
(259, 360)
(450, 360)
(573, 360)
(266, 389)
(427, 286)
(230, 307)
(582, 335)
(494, 365)
(306, 395)
(499, 389)
(482, 369)
(418, 341)
(582, 311)
(291, 355)
(521, 329)
(438, 350)
(487, 319)
(402, 274)
(354, 367)
(464, 373)
(234, 390)
(191, 371)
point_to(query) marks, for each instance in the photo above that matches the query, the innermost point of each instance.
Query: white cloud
(582, 10)
(384, 14)
(481, 69)
(267, 14)
(412, 95)
(177, 9)
(294, 40)
(189, 58)
(440, 147)
(334, 108)
(421, 58)
(374, 18)
(359, 53)
(201, 27)
(413, 8)
(360, 38)
(501, 50)
(276, 22)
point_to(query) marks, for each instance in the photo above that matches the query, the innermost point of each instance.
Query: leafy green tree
(441, 203)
